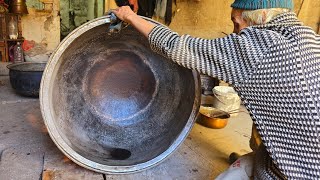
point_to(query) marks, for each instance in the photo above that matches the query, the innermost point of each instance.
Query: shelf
(14, 40)
(5, 41)
(20, 39)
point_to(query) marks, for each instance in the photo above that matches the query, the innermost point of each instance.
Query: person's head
(257, 12)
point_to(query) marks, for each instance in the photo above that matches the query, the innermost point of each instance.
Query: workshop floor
(27, 152)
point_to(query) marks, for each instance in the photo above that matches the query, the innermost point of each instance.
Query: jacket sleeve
(230, 59)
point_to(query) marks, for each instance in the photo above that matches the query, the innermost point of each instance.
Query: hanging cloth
(169, 11)
(146, 7)
(161, 8)
(164, 10)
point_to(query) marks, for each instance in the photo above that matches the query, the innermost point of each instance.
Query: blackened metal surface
(27, 67)
(25, 78)
(117, 107)
(208, 83)
(122, 81)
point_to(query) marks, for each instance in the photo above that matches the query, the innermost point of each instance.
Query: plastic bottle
(18, 53)
(13, 28)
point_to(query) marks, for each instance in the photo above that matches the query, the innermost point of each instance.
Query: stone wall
(308, 12)
(204, 18)
(42, 25)
(77, 12)
(211, 18)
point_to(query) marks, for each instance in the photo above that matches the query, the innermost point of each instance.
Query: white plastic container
(226, 99)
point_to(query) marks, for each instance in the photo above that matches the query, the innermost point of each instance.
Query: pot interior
(115, 102)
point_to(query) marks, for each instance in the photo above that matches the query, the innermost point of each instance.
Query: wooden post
(110, 4)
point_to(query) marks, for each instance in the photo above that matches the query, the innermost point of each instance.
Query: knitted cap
(262, 4)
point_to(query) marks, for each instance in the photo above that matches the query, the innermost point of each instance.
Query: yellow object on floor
(255, 139)
(212, 118)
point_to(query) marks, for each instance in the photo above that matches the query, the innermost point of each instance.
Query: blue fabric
(262, 4)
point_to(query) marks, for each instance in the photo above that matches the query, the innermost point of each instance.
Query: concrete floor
(27, 152)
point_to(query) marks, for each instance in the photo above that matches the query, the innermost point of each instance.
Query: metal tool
(111, 17)
(115, 23)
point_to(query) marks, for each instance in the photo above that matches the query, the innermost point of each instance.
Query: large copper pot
(111, 104)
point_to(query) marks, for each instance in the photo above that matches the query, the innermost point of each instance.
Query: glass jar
(13, 28)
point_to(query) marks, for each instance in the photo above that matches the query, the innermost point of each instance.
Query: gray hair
(261, 16)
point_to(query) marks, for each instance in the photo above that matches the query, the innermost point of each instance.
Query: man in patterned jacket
(274, 65)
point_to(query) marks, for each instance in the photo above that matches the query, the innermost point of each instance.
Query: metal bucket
(112, 105)
(25, 77)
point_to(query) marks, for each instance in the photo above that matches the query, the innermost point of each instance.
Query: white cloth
(241, 169)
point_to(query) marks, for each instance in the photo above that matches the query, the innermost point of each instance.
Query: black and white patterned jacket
(275, 68)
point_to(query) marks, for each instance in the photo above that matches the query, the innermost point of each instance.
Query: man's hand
(124, 13)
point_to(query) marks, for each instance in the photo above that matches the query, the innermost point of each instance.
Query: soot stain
(120, 154)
